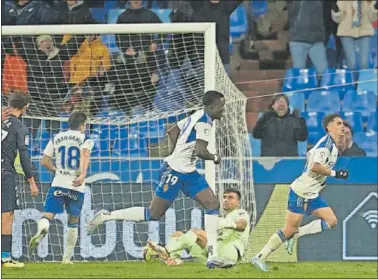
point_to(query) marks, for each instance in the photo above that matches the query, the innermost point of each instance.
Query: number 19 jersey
(65, 147)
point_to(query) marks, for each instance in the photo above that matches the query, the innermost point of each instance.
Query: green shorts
(228, 251)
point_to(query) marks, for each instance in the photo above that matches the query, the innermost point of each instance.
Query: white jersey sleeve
(321, 155)
(88, 144)
(49, 150)
(203, 131)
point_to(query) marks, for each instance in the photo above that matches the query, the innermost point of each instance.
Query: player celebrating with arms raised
(304, 193)
(71, 150)
(233, 234)
(14, 137)
(190, 137)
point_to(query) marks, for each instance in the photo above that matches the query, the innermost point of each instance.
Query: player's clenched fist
(217, 159)
(342, 174)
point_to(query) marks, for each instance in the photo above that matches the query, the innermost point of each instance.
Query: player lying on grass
(190, 137)
(304, 192)
(232, 237)
(71, 150)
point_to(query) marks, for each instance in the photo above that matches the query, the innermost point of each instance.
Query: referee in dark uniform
(14, 138)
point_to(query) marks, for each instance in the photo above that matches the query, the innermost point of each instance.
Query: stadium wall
(356, 206)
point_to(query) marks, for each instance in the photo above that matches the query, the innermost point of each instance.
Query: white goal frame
(210, 51)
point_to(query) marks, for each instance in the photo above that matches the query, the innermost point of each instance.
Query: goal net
(133, 82)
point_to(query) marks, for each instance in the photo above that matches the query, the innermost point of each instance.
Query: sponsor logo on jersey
(69, 195)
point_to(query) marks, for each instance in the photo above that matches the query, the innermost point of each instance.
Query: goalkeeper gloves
(340, 174)
(224, 224)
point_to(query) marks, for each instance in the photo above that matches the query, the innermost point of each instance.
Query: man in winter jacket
(307, 33)
(279, 130)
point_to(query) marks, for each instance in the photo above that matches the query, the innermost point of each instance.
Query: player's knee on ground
(201, 237)
(176, 234)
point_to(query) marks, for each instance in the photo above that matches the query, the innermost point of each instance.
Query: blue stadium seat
(368, 142)
(258, 8)
(299, 79)
(238, 22)
(302, 148)
(355, 120)
(314, 126)
(110, 4)
(372, 122)
(100, 147)
(100, 14)
(109, 41)
(340, 80)
(255, 145)
(44, 140)
(297, 100)
(323, 101)
(153, 130)
(363, 102)
(366, 75)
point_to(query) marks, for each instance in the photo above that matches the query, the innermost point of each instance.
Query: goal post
(133, 81)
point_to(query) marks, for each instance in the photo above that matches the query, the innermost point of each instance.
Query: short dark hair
(346, 124)
(210, 96)
(328, 119)
(19, 100)
(233, 190)
(76, 120)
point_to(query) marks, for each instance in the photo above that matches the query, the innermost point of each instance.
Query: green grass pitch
(192, 270)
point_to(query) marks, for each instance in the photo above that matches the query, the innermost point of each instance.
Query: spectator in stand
(307, 34)
(355, 20)
(348, 148)
(92, 60)
(218, 11)
(136, 72)
(74, 12)
(330, 28)
(279, 130)
(46, 83)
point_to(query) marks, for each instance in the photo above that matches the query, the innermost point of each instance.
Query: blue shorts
(59, 198)
(171, 181)
(297, 204)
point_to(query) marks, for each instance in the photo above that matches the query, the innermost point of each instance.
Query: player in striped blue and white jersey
(304, 192)
(190, 137)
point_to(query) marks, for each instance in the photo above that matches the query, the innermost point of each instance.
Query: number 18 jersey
(65, 148)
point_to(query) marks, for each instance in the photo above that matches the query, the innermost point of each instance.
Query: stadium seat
(364, 77)
(153, 130)
(255, 145)
(340, 80)
(314, 126)
(113, 15)
(368, 142)
(299, 79)
(372, 122)
(323, 101)
(238, 22)
(258, 8)
(110, 4)
(355, 120)
(362, 101)
(297, 100)
(302, 148)
(100, 146)
(100, 14)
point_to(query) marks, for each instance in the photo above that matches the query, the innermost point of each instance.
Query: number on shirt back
(69, 158)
